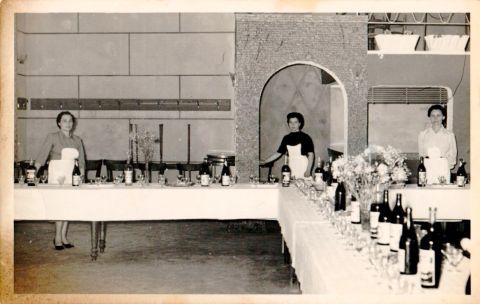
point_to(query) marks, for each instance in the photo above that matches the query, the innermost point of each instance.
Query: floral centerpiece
(362, 174)
(144, 142)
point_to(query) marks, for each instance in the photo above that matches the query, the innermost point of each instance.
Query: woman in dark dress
(298, 145)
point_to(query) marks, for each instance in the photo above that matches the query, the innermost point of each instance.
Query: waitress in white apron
(299, 147)
(52, 150)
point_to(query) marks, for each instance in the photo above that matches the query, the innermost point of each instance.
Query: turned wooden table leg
(103, 232)
(94, 251)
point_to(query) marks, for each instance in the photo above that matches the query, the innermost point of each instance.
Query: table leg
(103, 232)
(94, 251)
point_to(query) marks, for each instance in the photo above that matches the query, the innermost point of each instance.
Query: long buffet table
(319, 260)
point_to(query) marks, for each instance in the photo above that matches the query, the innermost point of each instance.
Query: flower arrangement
(144, 141)
(362, 174)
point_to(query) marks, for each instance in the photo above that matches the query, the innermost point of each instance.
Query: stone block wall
(266, 43)
(97, 56)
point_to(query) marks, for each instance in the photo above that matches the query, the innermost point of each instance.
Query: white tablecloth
(452, 202)
(121, 203)
(323, 266)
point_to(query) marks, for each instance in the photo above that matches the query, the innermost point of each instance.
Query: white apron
(297, 162)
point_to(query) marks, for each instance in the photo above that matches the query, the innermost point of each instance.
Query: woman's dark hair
(60, 115)
(436, 107)
(298, 116)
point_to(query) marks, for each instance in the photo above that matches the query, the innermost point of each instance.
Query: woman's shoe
(68, 245)
(57, 247)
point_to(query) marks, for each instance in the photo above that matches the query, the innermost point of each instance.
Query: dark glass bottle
(374, 216)
(383, 236)
(225, 174)
(31, 173)
(129, 176)
(286, 173)
(396, 223)
(430, 255)
(76, 174)
(340, 197)
(461, 174)
(204, 174)
(408, 247)
(318, 174)
(421, 174)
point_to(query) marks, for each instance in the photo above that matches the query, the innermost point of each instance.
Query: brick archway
(265, 43)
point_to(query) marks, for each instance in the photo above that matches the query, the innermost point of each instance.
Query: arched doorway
(313, 91)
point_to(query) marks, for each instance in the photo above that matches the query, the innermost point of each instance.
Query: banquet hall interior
(166, 92)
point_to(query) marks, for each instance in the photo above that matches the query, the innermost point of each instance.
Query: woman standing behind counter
(52, 150)
(436, 136)
(299, 146)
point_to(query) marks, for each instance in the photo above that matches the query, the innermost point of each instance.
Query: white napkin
(70, 153)
(60, 171)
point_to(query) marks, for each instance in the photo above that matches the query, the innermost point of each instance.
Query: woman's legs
(64, 232)
(58, 233)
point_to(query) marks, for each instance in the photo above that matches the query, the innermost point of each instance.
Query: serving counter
(320, 263)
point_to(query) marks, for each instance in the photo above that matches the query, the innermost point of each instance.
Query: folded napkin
(60, 171)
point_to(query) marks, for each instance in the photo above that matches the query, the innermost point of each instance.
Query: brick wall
(265, 43)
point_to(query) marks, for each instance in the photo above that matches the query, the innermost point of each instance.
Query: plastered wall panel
(207, 22)
(181, 54)
(207, 87)
(47, 22)
(51, 86)
(148, 87)
(82, 54)
(129, 22)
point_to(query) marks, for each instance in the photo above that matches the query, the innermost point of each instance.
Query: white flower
(382, 169)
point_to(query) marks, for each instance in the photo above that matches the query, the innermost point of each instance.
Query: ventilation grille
(430, 95)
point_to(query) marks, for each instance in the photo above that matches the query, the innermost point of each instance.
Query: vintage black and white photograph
(302, 153)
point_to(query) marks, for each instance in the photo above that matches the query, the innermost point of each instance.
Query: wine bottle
(76, 174)
(355, 212)
(204, 174)
(430, 255)
(31, 172)
(461, 174)
(396, 223)
(383, 236)
(318, 174)
(408, 247)
(421, 174)
(340, 197)
(327, 174)
(225, 174)
(374, 216)
(128, 172)
(286, 173)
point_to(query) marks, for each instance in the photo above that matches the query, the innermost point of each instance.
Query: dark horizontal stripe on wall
(125, 104)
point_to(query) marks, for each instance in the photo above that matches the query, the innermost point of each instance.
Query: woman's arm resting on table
(272, 158)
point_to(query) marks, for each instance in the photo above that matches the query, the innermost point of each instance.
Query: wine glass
(98, 181)
(256, 180)
(104, 179)
(21, 179)
(233, 179)
(161, 179)
(453, 255)
(141, 179)
(43, 178)
(251, 178)
(199, 179)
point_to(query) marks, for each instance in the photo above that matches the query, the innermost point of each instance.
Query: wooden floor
(154, 257)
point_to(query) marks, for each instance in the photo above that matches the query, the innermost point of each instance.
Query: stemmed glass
(161, 179)
(43, 178)
(21, 179)
(103, 179)
(141, 179)
(453, 255)
(251, 178)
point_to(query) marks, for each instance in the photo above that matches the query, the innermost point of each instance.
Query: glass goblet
(141, 179)
(104, 179)
(98, 181)
(161, 179)
(251, 178)
(44, 178)
(21, 179)
(453, 255)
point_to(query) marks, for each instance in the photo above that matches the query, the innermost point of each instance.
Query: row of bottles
(461, 179)
(395, 228)
(31, 173)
